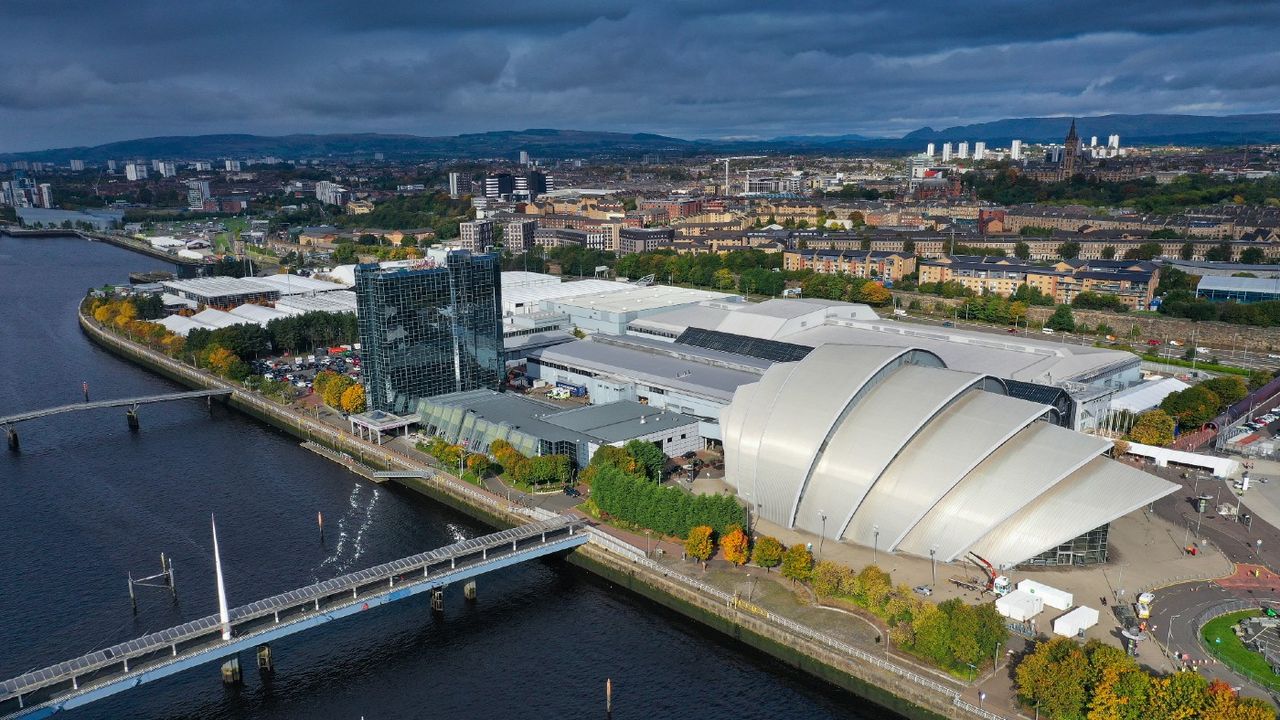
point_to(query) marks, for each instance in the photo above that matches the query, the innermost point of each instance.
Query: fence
(1269, 684)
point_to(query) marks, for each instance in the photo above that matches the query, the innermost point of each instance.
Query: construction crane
(997, 584)
(726, 160)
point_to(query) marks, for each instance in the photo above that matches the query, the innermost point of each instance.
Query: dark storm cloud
(89, 72)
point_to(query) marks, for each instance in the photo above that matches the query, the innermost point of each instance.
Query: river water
(87, 501)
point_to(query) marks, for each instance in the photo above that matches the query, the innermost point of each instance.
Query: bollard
(437, 600)
(131, 416)
(231, 671)
(469, 591)
(264, 660)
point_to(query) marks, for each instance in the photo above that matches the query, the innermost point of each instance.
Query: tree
(830, 578)
(333, 390)
(1120, 694)
(875, 294)
(1253, 256)
(1165, 234)
(648, 456)
(353, 399)
(723, 279)
(797, 563)
(932, 630)
(1192, 407)
(1187, 251)
(699, 545)
(1119, 448)
(767, 552)
(1022, 250)
(1145, 251)
(734, 546)
(1109, 252)
(345, 254)
(1069, 250)
(1179, 696)
(1230, 389)
(1062, 319)
(1153, 427)
(1053, 679)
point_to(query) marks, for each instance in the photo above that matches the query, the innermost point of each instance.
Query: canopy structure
(887, 447)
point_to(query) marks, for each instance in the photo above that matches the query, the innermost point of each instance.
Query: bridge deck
(120, 402)
(167, 651)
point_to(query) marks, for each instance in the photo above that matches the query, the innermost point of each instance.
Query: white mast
(223, 616)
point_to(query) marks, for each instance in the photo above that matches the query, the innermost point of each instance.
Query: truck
(1143, 606)
(996, 584)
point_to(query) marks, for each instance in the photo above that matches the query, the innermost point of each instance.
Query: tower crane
(726, 160)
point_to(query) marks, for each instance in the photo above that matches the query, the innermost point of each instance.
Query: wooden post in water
(608, 698)
(320, 523)
(133, 598)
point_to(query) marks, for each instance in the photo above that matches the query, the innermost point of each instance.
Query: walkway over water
(99, 674)
(122, 402)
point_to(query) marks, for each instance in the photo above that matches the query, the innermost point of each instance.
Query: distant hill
(542, 143)
(1151, 129)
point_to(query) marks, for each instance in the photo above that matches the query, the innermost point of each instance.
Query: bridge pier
(131, 416)
(13, 439)
(264, 660)
(437, 601)
(469, 590)
(231, 671)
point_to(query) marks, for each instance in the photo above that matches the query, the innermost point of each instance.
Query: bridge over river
(7, 422)
(103, 673)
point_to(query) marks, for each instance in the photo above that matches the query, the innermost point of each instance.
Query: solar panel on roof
(774, 350)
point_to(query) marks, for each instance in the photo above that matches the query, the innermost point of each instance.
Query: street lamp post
(1168, 635)
(823, 536)
(875, 547)
(1258, 551)
(933, 566)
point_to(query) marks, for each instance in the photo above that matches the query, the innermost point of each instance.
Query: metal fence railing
(1268, 684)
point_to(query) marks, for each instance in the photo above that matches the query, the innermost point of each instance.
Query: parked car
(1153, 343)
(924, 590)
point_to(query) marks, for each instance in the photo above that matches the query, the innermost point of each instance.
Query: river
(87, 501)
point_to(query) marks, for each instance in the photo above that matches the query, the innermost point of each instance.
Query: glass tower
(430, 328)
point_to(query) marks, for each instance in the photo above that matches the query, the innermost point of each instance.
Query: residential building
(135, 171)
(197, 194)
(1015, 149)
(1133, 281)
(331, 193)
(891, 266)
(559, 237)
(167, 169)
(77, 165)
(946, 152)
(476, 236)
(501, 185)
(637, 240)
(456, 187)
(232, 165)
(46, 195)
(430, 329)
(979, 150)
(517, 235)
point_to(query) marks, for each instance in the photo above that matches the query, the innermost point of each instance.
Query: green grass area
(1206, 366)
(1221, 640)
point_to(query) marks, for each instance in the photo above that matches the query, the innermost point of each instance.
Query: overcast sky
(91, 71)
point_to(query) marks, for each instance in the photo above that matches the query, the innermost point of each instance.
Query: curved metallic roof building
(885, 446)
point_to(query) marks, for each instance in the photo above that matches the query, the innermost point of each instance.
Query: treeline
(1006, 184)
(1201, 403)
(339, 391)
(637, 500)
(1062, 680)
(526, 473)
(749, 271)
(296, 334)
(839, 286)
(435, 210)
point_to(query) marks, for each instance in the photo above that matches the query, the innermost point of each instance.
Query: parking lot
(300, 370)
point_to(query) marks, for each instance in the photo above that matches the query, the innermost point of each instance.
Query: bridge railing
(196, 629)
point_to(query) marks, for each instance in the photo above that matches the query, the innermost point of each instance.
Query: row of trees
(297, 334)
(752, 268)
(738, 549)
(1201, 403)
(528, 472)
(1007, 185)
(338, 391)
(839, 286)
(1153, 427)
(637, 500)
(435, 210)
(951, 634)
(1062, 680)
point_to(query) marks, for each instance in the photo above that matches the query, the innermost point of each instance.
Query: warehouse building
(611, 312)
(478, 417)
(888, 447)
(223, 292)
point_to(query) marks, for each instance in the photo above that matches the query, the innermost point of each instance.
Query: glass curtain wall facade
(1087, 549)
(430, 329)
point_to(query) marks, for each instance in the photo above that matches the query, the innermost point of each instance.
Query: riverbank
(880, 680)
(119, 241)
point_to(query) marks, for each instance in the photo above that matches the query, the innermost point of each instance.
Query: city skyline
(712, 71)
